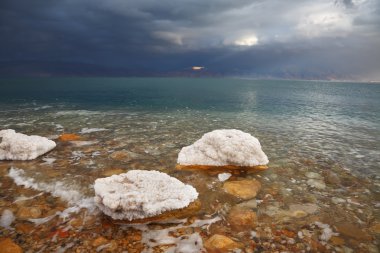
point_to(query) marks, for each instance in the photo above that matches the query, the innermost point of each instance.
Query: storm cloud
(272, 38)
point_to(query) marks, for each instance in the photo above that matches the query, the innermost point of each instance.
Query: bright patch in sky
(247, 41)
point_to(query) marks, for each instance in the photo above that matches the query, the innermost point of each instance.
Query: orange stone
(220, 243)
(99, 241)
(337, 240)
(8, 246)
(242, 219)
(69, 137)
(244, 189)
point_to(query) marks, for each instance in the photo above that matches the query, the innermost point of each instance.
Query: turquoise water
(330, 122)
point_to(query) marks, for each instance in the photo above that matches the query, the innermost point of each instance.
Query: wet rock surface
(220, 243)
(8, 246)
(244, 189)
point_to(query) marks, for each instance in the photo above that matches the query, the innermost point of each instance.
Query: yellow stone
(220, 243)
(244, 189)
(29, 213)
(111, 172)
(8, 246)
(242, 218)
(99, 241)
(299, 214)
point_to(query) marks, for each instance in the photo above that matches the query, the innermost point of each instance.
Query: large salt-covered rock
(140, 194)
(17, 146)
(225, 147)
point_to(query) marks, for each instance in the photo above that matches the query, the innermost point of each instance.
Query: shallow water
(332, 129)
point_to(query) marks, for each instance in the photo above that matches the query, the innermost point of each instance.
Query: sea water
(303, 127)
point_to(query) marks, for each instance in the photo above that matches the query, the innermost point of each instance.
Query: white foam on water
(42, 107)
(77, 113)
(82, 143)
(48, 160)
(92, 130)
(23, 198)
(189, 243)
(77, 155)
(327, 232)
(66, 192)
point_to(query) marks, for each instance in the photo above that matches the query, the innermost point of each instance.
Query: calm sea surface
(320, 193)
(326, 121)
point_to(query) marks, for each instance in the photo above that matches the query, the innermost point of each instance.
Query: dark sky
(237, 37)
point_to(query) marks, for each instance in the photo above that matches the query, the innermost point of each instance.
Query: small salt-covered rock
(140, 194)
(6, 218)
(224, 147)
(224, 176)
(18, 146)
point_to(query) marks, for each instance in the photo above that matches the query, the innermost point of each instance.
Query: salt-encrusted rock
(17, 146)
(226, 147)
(140, 194)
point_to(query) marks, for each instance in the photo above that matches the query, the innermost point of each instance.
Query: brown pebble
(220, 243)
(353, 231)
(8, 246)
(244, 189)
(99, 241)
(242, 218)
(25, 213)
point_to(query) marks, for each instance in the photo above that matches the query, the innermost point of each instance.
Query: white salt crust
(6, 218)
(224, 147)
(17, 146)
(59, 189)
(140, 194)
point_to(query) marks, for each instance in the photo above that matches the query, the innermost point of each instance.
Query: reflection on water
(316, 138)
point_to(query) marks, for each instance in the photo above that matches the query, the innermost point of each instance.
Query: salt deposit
(224, 147)
(67, 192)
(140, 194)
(327, 232)
(224, 176)
(17, 146)
(57, 188)
(6, 218)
